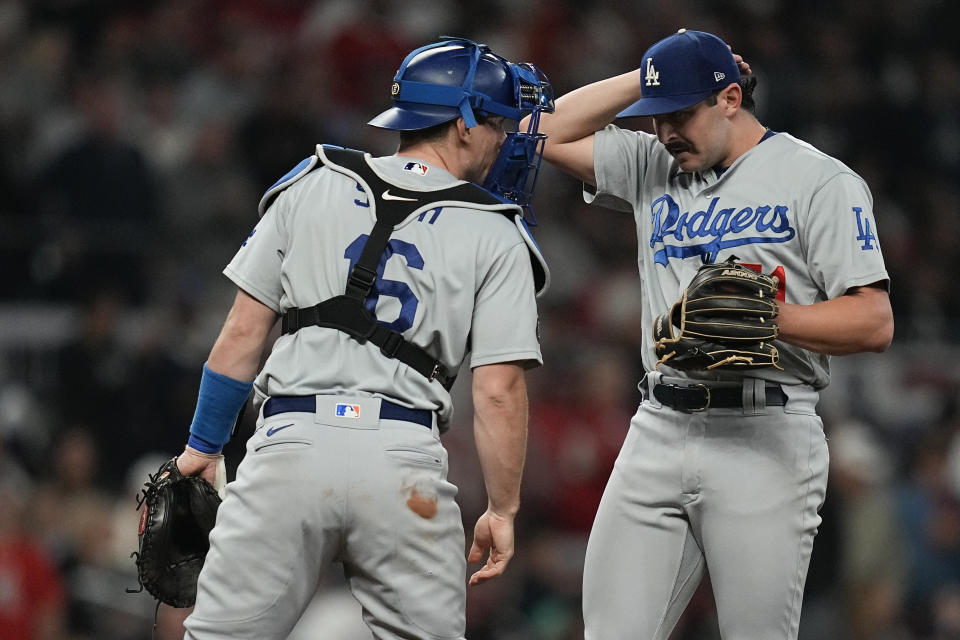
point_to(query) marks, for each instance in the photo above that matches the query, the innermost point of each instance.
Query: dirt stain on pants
(423, 506)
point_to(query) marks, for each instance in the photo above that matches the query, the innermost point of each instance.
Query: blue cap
(681, 70)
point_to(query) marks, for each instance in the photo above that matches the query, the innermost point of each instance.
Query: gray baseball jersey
(338, 478)
(736, 488)
(783, 207)
(457, 282)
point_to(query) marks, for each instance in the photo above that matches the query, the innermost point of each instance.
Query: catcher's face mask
(457, 77)
(514, 173)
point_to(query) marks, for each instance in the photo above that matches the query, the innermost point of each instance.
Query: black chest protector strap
(347, 312)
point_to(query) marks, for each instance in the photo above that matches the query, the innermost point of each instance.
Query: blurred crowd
(138, 137)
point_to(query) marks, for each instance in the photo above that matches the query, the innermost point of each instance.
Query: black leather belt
(701, 397)
(308, 404)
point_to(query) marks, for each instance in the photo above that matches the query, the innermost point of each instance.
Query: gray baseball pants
(336, 486)
(735, 492)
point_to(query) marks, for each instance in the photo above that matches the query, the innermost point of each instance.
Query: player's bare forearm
(581, 113)
(861, 320)
(590, 108)
(238, 349)
(500, 431)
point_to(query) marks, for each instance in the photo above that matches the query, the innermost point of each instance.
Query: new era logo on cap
(681, 70)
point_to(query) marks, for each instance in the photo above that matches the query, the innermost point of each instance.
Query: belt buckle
(707, 404)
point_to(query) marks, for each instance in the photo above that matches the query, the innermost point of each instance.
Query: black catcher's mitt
(724, 320)
(178, 513)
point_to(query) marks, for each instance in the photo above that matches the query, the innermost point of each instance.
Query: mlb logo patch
(344, 410)
(416, 167)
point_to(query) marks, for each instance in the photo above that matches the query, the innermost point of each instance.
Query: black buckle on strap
(361, 280)
(441, 375)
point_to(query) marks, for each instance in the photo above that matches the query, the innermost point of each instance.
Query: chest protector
(347, 312)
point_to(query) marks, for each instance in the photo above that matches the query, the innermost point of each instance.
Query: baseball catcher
(724, 320)
(177, 515)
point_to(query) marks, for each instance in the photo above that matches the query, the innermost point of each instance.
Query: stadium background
(137, 138)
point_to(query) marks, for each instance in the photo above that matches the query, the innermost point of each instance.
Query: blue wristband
(218, 404)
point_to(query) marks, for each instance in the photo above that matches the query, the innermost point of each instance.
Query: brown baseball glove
(724, 320)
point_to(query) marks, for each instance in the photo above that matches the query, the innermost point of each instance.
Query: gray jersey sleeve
(256, 266)
(505, 315)
(841, 236)
(620, 165)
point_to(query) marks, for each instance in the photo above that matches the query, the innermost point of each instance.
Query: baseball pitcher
(759, 259)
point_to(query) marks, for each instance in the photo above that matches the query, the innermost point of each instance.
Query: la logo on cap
(681, 70)
(653, 76)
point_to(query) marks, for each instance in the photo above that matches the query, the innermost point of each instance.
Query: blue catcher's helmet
(457, 77)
